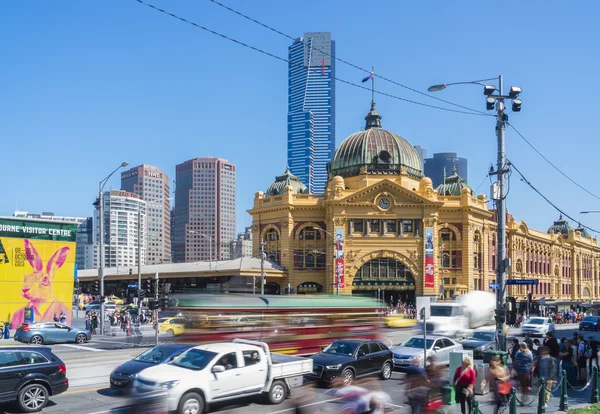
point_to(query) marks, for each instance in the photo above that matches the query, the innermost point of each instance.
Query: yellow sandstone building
(381, 228)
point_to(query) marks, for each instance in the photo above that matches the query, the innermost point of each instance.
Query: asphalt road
(89, 366)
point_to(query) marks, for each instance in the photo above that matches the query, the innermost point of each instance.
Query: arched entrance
(309, 287)
(272, 288)
(387, 278)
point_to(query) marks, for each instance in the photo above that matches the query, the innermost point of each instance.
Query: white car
(440, 346)
(537, 326)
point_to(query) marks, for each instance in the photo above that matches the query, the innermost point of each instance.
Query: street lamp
(589, 212)
(101, 244)
(496, 101)
(209, 245)
(337, 281)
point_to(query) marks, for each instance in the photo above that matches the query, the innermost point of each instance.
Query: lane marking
(302, 406)
(85, 390)
(85, 348)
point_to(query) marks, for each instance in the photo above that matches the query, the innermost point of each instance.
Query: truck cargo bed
(290, 366)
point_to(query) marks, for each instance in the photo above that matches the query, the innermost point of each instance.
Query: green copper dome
(560, 226)
(376, 150)
(453, 185)
(582, 230)
(282, 181)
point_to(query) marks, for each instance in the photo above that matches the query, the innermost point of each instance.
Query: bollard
(475, 407)
(542, 397)
(594, 399)
(512, 407)
(564, 398)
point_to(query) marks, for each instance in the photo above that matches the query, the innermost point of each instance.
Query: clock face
(384, 203)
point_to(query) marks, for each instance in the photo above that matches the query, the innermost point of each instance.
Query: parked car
(171, 326)
(50, 332)
(29, 376)
(123, 376)
(537, 326)
(591, 323)
(349, 359)
(479, 341)
(222, 371)
(97, 303)
(440, 346)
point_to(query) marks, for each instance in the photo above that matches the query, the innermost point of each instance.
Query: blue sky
(86, 85)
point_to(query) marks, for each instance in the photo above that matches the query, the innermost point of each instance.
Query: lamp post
(496, 101)
(337, 281)
(101, 244)
(209, 245)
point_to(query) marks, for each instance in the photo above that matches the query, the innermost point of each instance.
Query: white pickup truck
(223, 371)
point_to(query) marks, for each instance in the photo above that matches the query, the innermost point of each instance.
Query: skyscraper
(311, 108)
(204, 214)
(444, 161)
(152, 185)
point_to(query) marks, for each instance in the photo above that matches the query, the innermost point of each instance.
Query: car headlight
(333, 367)
(133, 375)
(480, 348)
(168, 385)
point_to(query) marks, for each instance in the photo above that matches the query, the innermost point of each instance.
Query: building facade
(152, 185)
(311, 108)
(242, 246)
(204, 217)
(443, 164)
(125, 227)
(382, 228)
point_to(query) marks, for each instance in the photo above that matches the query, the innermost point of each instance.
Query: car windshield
(341, 348)
(482, 336)
(445, 311)
(590, 319)
(536, 321)
(154, 356)
(416, 342)
(194, 359)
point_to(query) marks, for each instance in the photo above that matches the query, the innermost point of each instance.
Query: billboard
(339, 257)
(429, 276)
(37, 264)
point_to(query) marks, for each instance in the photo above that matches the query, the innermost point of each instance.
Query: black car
(352, 358)
(29, 376)
(123, 376)
(480, 341)
(590, 323)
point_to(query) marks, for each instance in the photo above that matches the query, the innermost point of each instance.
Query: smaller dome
(582, 230)
(287, 179)
(453, 185)
(560, 226)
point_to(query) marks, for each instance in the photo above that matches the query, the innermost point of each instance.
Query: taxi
(399, 320)
(171, 326)
(117, 300)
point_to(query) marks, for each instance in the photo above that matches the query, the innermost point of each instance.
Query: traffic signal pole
(156, 310)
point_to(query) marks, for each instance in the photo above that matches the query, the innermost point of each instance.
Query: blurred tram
(294, 324)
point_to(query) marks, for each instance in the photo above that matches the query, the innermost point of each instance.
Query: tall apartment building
(152, 185)
(204, 214)
(84, 239)
(124, 218)
(311, 108)
(445, 162)
(242, 246)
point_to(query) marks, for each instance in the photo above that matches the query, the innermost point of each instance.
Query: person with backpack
(583, 353)
(546, 368)
(566, 358)
(523, 368)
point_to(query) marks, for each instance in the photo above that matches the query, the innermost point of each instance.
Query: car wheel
(191, 403)
(36, 340)
(32, 398)
(386, 371)
(277, 392)
(80, 338)
(171, 332)
(347, 376)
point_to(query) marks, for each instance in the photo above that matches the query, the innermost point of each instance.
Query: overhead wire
(264, 52)
(279, 32)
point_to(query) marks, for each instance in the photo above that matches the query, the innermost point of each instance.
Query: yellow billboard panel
(37, 266)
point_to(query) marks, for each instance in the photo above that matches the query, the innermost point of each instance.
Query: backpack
(588, 351)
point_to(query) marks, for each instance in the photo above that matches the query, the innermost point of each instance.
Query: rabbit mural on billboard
(38, 288)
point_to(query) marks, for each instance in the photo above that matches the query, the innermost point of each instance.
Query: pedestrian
(583, 353)
(523, 368)
(552, 344)
(56, 319)
(546, 366)
(63, 317)
(594, 352)
(464, 384)
(94, 323)
(566, 358)
(88, 322)
(499, 380)
(417, 385)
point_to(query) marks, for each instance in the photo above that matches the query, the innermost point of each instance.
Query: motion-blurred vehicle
(171, 326)
(223, 371)
(590, 323)
(349, 359)
(457, 319)
(123, 376)
(479, 341)
(29, 376)
(440, 346)
(117, 300)
(398, 320)
(50, 333)
(537, 326)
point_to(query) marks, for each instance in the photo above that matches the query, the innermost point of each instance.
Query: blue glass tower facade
(311, 108)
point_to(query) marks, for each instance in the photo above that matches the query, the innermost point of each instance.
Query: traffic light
(499, 315)
(511, 310)
(164, 303)
(148, 286)
(152, 304)
(96, 286)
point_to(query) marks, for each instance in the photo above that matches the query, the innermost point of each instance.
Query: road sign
(494, 286)
(132, 286)
(522, 282)
(542, 301)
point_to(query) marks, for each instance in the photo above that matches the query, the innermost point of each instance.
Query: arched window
(448, 247)
(309, 233)
(272, 245)
(384, 269)
(477, 251)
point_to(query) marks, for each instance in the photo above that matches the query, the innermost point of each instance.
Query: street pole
(101, 254)
(424, 313)
(156, 310)
(262, 267)
(335, 270)
(139, 257)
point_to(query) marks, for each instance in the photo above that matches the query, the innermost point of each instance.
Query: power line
(266, 26)
(551, 163)
(264, 52)
(526, 181)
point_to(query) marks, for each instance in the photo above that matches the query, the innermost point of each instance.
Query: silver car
(50, 332)
(440, 346)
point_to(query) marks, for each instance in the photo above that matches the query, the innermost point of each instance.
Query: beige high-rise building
(152, 185)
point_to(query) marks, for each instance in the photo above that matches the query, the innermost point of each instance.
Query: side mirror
(361, 354)
(436, 348)
(218, 368)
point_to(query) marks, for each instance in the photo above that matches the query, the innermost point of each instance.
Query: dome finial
(373, 118)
